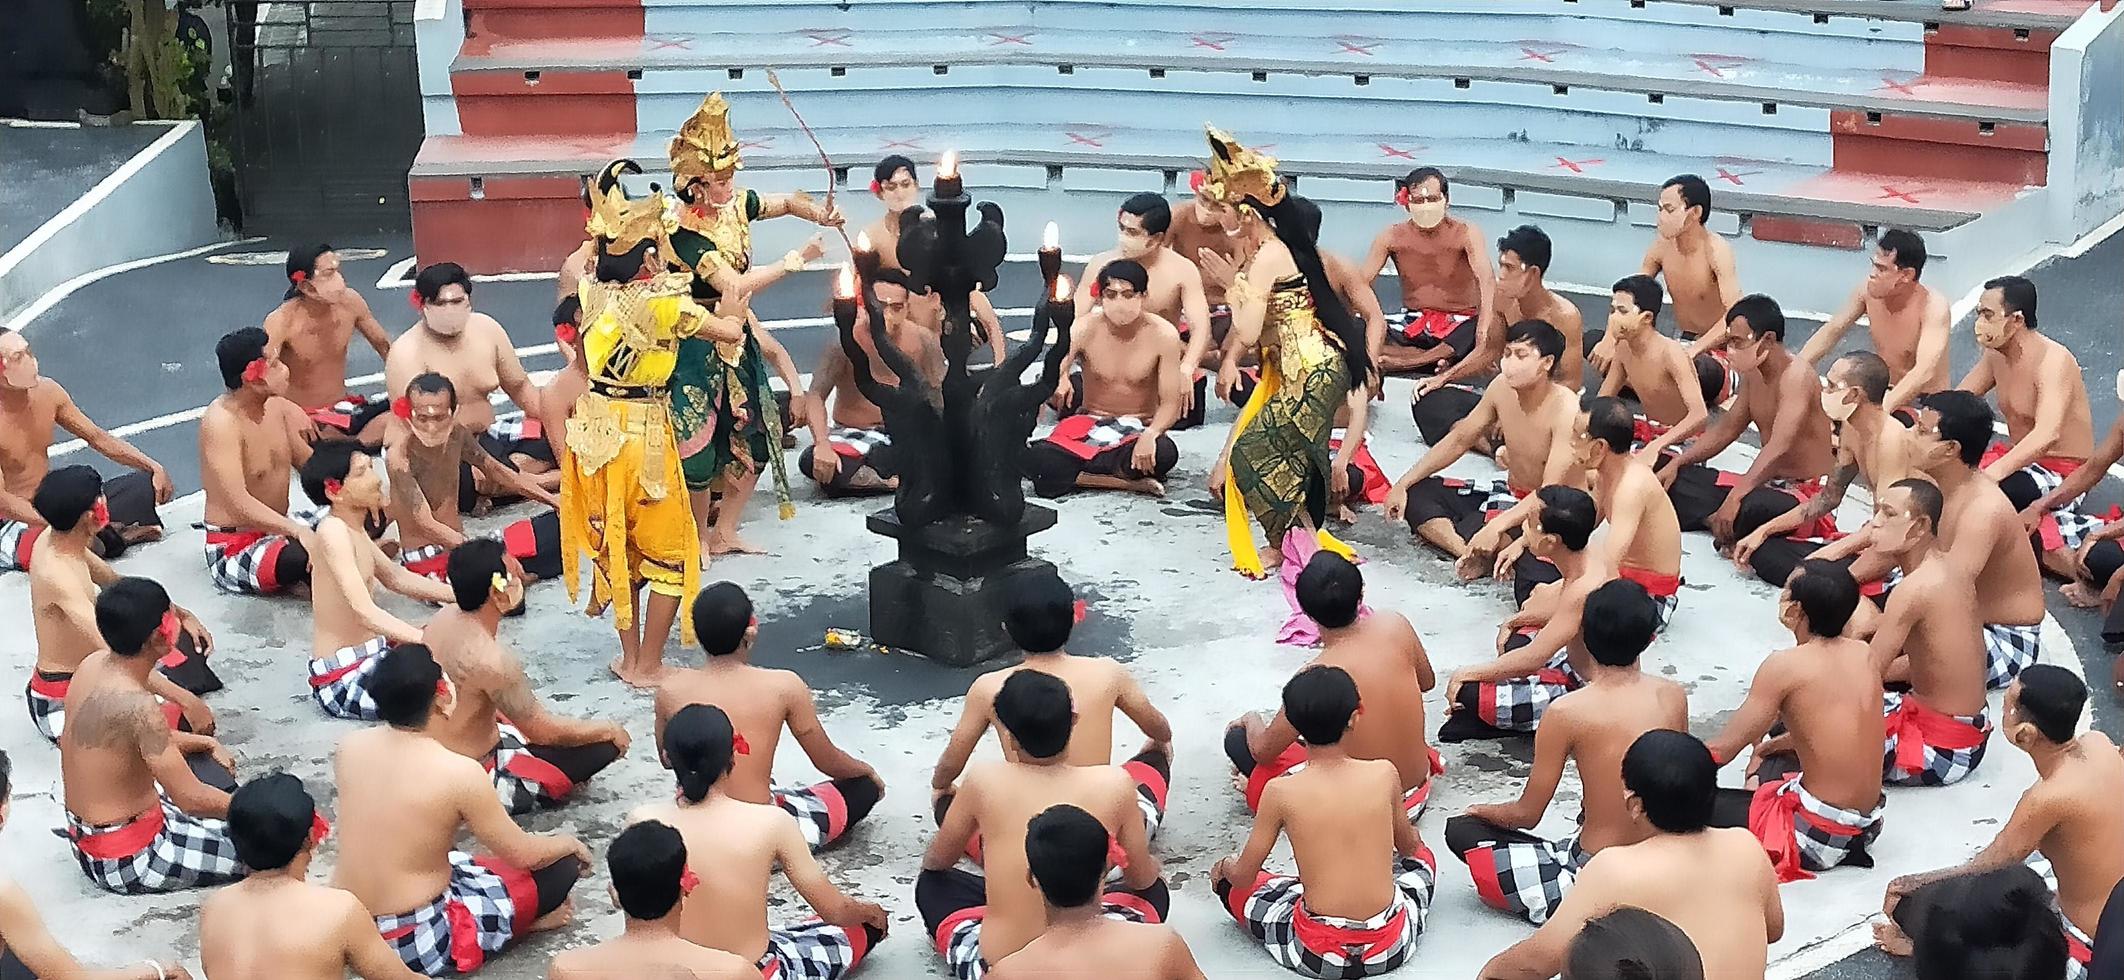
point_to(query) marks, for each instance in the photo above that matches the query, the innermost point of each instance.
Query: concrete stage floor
(1160, 598)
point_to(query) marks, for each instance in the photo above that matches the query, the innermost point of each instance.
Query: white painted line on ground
(2094, 238)
(103, 189)
(20, 322)
(39, 124)
(395, 276)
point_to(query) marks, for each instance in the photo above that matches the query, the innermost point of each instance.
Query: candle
(844, 303)
(1061, 311)
(1051, 252)
(866, 258)
(948, 183)
(1061, 289)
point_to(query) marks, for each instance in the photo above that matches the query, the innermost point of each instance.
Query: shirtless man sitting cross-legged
(32, 409)
(1592, 727)
(1523, 257)
(1382, 654)
(1363, 889)
(1039, 611)
(2070, 816)
(1715, 884)
(648, 866)
(251, 439)
(1644, 534)
(1537, 416)
(763, 702)
(349, 631)
(403, 799)
(1907, 321)
(851, 454)
(1655, 368)
(2077, 546)
(428, 454)
(144, 804)
(1929, 638)
(1444, 268)
(1067, 852)
(1173, 290)
(1814, 791)
(1696, 264)
(733, 847)
(276, 923)
(1133, 387)
(28, 949)
(976, 921)
(310, 332)
(63, 588)
(537, 757)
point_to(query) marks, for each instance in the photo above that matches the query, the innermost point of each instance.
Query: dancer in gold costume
(1275, 466)
(623, 495)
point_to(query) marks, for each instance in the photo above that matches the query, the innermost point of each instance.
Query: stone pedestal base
(942, 597)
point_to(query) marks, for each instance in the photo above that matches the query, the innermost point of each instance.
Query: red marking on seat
(1545, 57)
(826, 38)
(659, 42)
(1736, 175)
(1578, 166)
(1094, 140)
(1400, 154)
(1889, 191)
(999, 39)
(1715, 65)
(1907, 87)
(913, 144)
(1214, 42)
(1357, 45)
(763, 143)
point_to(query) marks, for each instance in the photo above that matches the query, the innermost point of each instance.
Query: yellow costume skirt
(1278, 461)
(623, 503)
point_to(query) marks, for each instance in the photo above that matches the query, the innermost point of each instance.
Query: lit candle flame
(863, 241)
(950, 166)
(1061, 287)
(844, 286)
(1053, 237)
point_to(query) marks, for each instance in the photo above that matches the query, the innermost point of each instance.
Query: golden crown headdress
(625, 223)
(705, 146)
(1237, 173)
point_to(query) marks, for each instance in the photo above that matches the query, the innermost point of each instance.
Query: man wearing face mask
(474, 352)
(426, 454)
(310, 331)
(1644, 536)
(1908, 321)
(1536, 415)
(851, 454)
(1198, 227)
(1112, 432)
(349, 630)
(1814, 789)
(1655, 368)
(2042, 395)
(2077, 546)
(251, 439)
(1523, 257)
(1929, 638)
(1781, 397)
(31, 407)
(1446, 285)
(1700, 278)
(1871, 446)
(1174, 295)
(894, 184)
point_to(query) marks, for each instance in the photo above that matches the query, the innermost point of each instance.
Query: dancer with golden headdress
(623, 497)
(727, 419)
(1275, 466)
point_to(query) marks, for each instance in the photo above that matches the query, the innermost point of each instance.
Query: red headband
(102, 511)
(565, 333)
(739, 745)
(1401, 195)
(402, 406)
(255, 371)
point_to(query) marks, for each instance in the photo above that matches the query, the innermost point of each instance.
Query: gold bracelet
(793, 261)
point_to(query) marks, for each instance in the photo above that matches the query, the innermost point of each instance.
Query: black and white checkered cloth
(410, 560)
(1271, 911)
(859, 442)
(340, 683)
(1516, 704)
(812, 950)
(1100, 434)
(814, 816)
(1526, 877)
(47, 713)
(11, 534)
(2008, 650)
(1941, 766)
(188, 852)
(477, 897)
(524, 782)
(1826, 835)
(515, 427)
(242, 565)
(962, 948)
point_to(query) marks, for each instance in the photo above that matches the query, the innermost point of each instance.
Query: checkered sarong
(1150, 795)
(16, 540)
(1085, 436)
(812, 950)
(340, 683)
(523, 781)
(243, 561)
(958, 938)
(349, 414)
(1330, 947)
(481, 912)
(47, 711)
(515, 428)
(2079, 951)
(1516, 704)
(162, 850)
(2008, 650)
(1525, 875)
(820, 814)
(856, 444)
(1928, 764)
(430, 560)
(1810, 835)
(1425, 328)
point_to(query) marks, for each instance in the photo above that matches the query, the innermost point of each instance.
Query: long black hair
(1296, 222)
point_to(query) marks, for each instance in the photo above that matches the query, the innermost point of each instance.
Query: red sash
(518, 538)
(329, 415)
(234, 541)
(126, 841)
(2063, 466)
(1438, 324)
(531, 429)
(1646, 430)
(524, 765)
(1069, 434)
(1771, 816)
(26, 544)
(1376, 483)
(1324, 939)
(1916, 726)
(333, 676)
(437, 566)
(1660, 586)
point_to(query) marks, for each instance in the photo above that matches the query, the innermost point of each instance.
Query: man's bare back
(1944, 642)
(758, 701)
(2082, 844)
(113, 727)
(273, 926)
(1712, 884)
(734, 847)
(1597, 730)
(1829, 696)
(1098, 687)
(1101, 947)
(998, 799)
(2009, 583)
(63, 611)
(1340, 817)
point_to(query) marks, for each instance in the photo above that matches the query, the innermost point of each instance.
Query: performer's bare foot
(2081, 595)
(1473, 565)
(638, 680)
(555, 919)
(734, 545)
